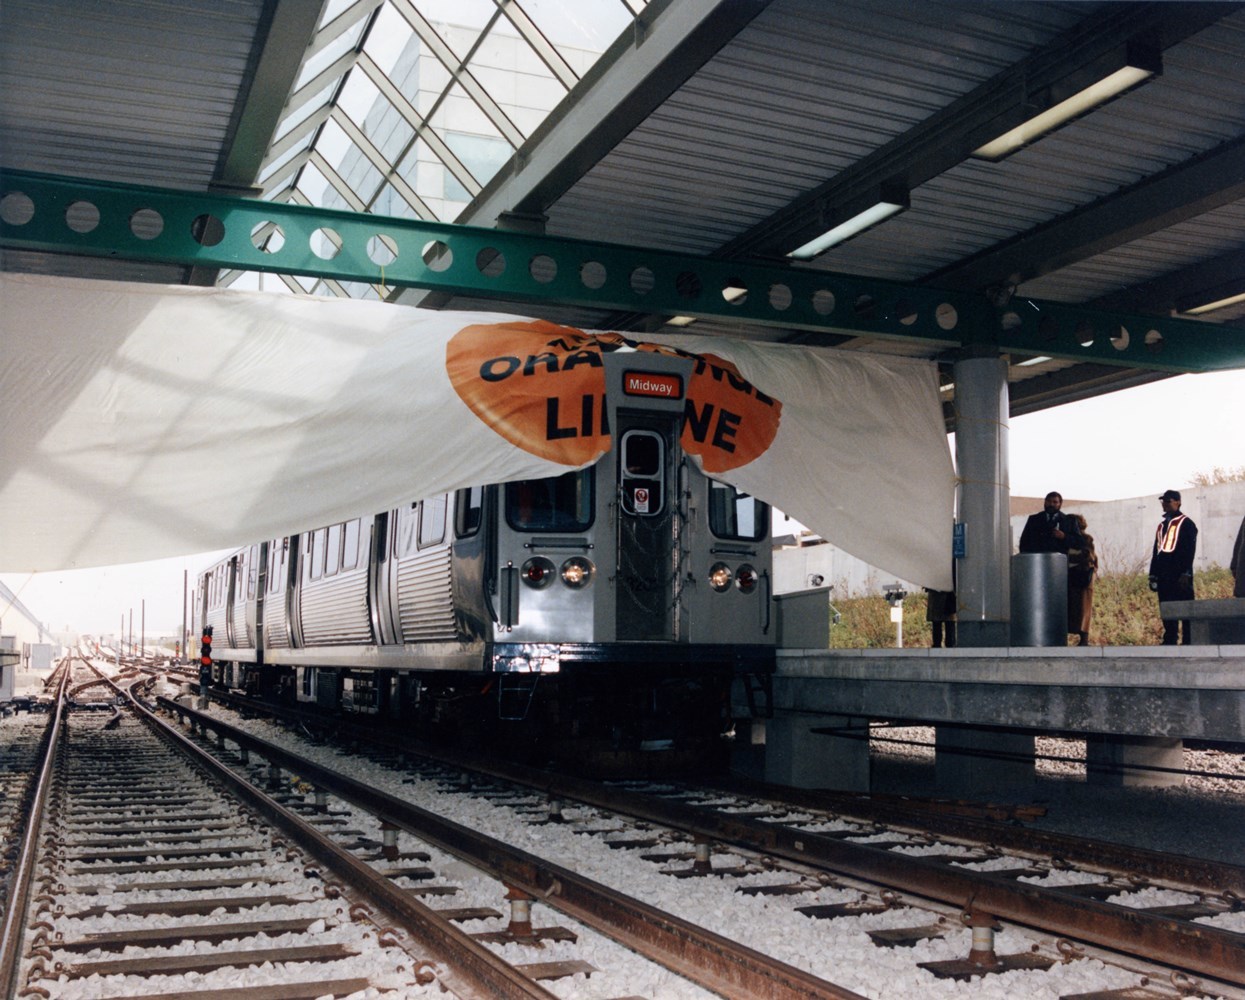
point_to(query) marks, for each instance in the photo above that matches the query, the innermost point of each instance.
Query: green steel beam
(74, 216)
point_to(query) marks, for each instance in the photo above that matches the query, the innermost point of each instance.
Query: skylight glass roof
(410, 107)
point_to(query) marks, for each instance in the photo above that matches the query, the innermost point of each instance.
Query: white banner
(143, 421)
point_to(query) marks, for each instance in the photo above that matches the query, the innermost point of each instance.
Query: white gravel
(837, 950)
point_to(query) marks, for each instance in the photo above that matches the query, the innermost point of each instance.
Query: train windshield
(736, 515)
(560, 503)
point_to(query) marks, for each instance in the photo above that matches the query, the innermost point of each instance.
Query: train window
(561, 503)
(642, 461)
(252, 568)
(333, 550)
(432, 522)
(315, 554)
(408, 530)
(468, 511)
(350, 544)
(276, 565)
(736, 515)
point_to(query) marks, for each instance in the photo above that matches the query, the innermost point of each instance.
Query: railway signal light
(205, 647)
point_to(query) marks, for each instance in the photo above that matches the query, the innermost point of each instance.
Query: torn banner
(142, 421)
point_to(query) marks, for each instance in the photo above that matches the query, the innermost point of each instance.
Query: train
(602, 613)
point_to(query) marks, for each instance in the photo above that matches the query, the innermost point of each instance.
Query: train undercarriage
(598, 718)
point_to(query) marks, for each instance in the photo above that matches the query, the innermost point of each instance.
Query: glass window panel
(561, 503)
(390, 202)
(333, 550)
(432, 178)
(357, 97)
(389, 130)
(432, 523)
(468, 511)
(578, 24)
(535, 97)
(736, 515)
(334, 145)
(350, 545)
(359, 290)
(334, 50)
(482, 155)
(312, 184)
(352, 166)
(388, 40)
(459, 113)
(333, 8)
(281, 161)
(309, 106)
(408, 527)
(458, 22)
(499, 82)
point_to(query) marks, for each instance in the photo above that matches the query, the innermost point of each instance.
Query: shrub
(1125, 614)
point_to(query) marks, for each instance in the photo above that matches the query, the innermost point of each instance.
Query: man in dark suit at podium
(1050, 530)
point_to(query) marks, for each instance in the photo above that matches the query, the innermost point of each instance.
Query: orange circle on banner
(539, 385)
(542, 387)
(728, 422)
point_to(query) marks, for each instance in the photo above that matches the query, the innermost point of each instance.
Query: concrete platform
(1184, 692)
(1134, 705)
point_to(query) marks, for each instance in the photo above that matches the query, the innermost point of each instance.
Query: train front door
(647, 529)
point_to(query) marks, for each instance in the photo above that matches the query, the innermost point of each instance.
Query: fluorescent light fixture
(1141, 65)
(1032, 361)
(1223, 303)
(891, 201)
(680, 320)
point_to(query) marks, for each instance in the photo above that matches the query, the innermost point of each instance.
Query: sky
(1135, 442)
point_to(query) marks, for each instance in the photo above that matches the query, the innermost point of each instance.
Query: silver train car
(611, 607)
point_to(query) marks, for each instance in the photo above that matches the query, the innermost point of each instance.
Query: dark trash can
(1039, 599)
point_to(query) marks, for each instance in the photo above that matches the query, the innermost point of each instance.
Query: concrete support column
(983, 583)
(973, 762)
(1121, 761)
(800, 758)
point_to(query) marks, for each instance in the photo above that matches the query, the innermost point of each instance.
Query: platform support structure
(983, 584)
(1125, 761)
(798, 757)
(974, 762)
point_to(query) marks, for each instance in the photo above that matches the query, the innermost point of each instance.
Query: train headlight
(719, 576)
(576, 572)
(538, 572)
(746, 579)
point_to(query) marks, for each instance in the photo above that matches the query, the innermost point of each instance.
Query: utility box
(37, 655)
(803, 619)
(8, 666)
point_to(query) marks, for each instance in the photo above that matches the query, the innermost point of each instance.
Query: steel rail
(712, 961)
(472, 963)
(13, 930)
(1214, 877)
(1181, 944)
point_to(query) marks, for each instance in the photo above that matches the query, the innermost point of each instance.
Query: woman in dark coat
(1082, 565)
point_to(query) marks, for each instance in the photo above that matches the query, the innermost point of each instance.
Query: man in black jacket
(1171, 562)
(1049, 530)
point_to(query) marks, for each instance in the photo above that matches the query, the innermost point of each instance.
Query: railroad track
(149, 871)
(151, 879)
(962, 904)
